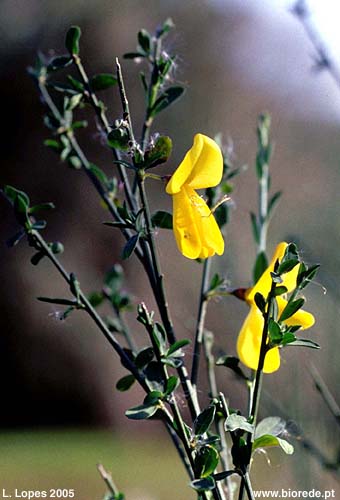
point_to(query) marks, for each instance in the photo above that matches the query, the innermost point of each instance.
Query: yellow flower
(249, 340)
(196, 230)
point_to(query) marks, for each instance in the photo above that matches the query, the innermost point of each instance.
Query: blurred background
(60, 412)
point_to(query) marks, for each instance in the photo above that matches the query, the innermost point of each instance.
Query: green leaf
(261, 265)
(59, 62)
(270, 425)
(307, 276)
(171, 385)
(287, 265)
(74, 102)
(102, 81)
(133, 55)
(72, 40)
(56, 247)
(166, 99)
(141, 412)
(231, 362)
(144, 357)
(273, 202)
(53, 144)
(154, 373)
(235, 422)
(304, 343)
(177, 346)
(280, 290)
(267, 440)
(118, 138)
(144, 40)
(101, 176)
(291, 308)
(222, 475)
(288, 338)
(37, 258)
(41, 206)
(274, 331)
(162, 219)
(130, 246)
(159, 337)
(206, 461)
(204, 420)
(74, 162)
(222, 215)
(76, 84)
(39, 225)
(255, 227)
(125, 383)
(167, 26)
(173, 361)
(95, 299)
(260, 301)
(158, 153)
(62, 302)
(17, 197)
(215, 282)
(153, 398)
(205, 484)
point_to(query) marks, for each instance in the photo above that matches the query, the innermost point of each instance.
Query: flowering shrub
(215, 443)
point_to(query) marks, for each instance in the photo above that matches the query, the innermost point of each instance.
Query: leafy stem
(38, 242)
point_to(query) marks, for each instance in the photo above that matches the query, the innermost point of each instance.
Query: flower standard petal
(201, 167)
(207, 159)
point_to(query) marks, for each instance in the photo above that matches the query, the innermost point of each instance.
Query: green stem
(202, 311)
(162, 302)
(100, 112)
(125, 103)
(262, 356)
(263, 208)
(152, 94)
(248, 486)
(108, 480)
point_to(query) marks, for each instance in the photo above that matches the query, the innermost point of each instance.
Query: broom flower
(249, 340)
(196, 231)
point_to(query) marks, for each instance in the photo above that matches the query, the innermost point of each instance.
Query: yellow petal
(265, 282)
(209, 231)
(249, 343)
(196, 230)
(201, 167)
(301, 317)
(185, 226)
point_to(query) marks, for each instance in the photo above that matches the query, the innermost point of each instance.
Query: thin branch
(327, 396)
(202, 310)
(302, 13)
(41, 244)
(107, 478)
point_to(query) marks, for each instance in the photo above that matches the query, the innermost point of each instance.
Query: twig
(158, 288)
(301, 11)
(202, 310)
(103, 120)
(106, 476)
(327, 396)
(39, 242)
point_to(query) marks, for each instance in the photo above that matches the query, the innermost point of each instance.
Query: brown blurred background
(236, 61)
